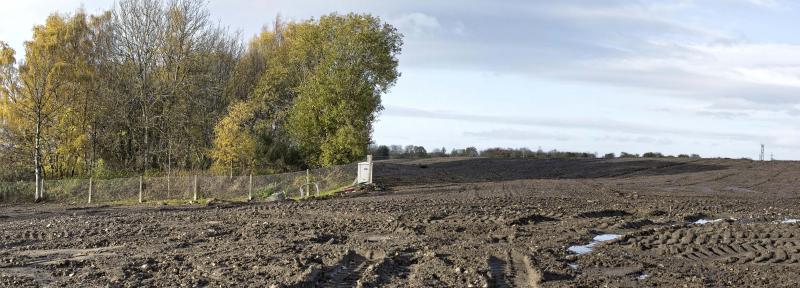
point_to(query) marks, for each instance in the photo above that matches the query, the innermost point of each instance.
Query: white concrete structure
(365, 171)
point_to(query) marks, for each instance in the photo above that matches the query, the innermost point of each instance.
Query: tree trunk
(37, 162)
(142, 95)
(145, 149)
(93, 159)
(169, 166)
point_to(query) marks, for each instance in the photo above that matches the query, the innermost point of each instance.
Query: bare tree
(139, 26)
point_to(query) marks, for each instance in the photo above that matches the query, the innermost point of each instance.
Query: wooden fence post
(250, 188)
(90, 190)
(168, 186)
(141, 184)
(194, 198)
(369, 160)
(308, 183)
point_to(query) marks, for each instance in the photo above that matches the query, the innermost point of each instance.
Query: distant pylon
(761, 157)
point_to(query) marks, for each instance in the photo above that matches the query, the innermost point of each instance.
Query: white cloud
(17, 18)
(460, 29)
(774, 76)
(516, 134)
(572, 123)
(787, 137)
(764, 3)
(417, 24)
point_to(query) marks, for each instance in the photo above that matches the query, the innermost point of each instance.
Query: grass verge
(322, 194)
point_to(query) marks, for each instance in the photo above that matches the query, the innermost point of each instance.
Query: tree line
(381, 152)
(152, 86)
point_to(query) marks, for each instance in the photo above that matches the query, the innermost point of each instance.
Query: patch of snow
(573, 266)
(705, 221)
(643, 276)
(606, 237)
(583, 249)
(580, 249)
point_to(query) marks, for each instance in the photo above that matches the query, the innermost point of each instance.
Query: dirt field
(442, 222)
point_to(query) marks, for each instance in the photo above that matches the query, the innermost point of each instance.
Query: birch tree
(33, 100)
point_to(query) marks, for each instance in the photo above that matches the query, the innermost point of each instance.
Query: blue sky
(713, 77)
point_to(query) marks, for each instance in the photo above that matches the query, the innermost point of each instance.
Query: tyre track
(346, 272)
(513, 270)
(754, 244)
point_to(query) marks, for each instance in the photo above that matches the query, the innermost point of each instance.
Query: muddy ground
(454, 222)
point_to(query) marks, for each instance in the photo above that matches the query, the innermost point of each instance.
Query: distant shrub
(415, 152)
(420, 152)
(498, 153)
(381, 152)
(438, 152)
(266, 191)
(527, 153)
(653, 155)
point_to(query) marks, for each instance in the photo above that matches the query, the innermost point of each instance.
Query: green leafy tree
(154, 84)
(348, 62)
(265, 79)
(38, 94)
(235, 143)
(318, 89)
(11, 138)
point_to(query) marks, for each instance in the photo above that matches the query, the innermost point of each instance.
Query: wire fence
(151, 189)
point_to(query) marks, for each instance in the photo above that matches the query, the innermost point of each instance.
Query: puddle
(583, 249)
(790, 221)
(705, 221)
(643, 276)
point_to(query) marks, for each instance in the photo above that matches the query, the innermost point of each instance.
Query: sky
(712, 77)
